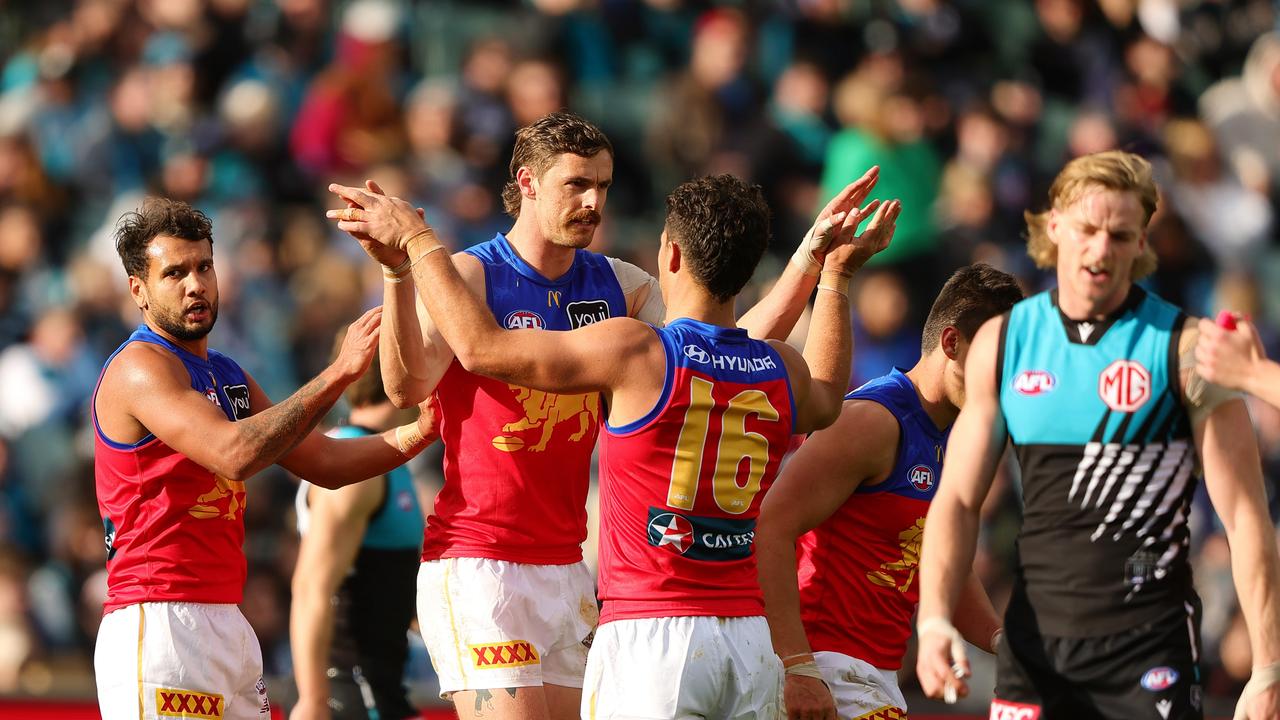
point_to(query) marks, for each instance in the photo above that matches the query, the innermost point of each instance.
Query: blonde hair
(1111, 170)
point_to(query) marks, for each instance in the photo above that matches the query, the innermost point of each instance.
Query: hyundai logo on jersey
(1034, 382)
(524, 320)
(697, 354)
(701, 538)
(1159, 678)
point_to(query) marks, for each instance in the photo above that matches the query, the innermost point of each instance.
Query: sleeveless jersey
(517, 461)
(374, 605)
(174, 530)
(680, 488)
(857, 570)
(1095, 414)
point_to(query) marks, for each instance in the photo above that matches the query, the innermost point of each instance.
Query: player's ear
(138, 291)
(950, 342)
(527, 182)
(674, 259)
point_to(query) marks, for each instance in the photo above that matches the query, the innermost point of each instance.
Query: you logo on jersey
(701, 538)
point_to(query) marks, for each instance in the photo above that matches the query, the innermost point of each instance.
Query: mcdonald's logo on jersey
(553, 298)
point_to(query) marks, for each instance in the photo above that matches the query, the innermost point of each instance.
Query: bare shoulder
(142, 366)
(791, 357)
(472, 271)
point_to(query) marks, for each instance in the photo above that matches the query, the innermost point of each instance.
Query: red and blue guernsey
(174, 530)
(680, 488)
(858, 585)
(517, 461)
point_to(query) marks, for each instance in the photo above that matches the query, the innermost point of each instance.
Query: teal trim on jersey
(397, 524)
(1051, 389)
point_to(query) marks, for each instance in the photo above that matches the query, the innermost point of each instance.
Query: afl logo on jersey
(672, 532)
(524, 320)
(697, 354)
(921, 477)
(1159, 678)
(1125, 386)
(1034, 382)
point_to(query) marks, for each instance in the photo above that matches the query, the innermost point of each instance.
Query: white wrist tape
(805, 669)
(815, 241)
(1261, 679)
(943, 627)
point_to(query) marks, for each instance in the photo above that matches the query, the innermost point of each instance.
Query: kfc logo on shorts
(524, 320)
(1034, 382)
(1125, 386)
(1005, 710)
(921, 478)
(1159, 678)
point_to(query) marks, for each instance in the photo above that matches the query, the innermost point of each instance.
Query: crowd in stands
(248, 108)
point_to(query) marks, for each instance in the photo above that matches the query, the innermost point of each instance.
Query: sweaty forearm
(1257, 579)
(975, 617)
(776, 314)
(828, 349)
(263, 438)
(950, 539)
(466, 323)
(408, 375)
(777, 559)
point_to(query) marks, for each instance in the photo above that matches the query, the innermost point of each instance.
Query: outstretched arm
(337, 524)
(1235, 359)
(330, 462)
(597, 357)
(818, 479)
(951, 528)
(148, 388)
(1233, 476)
(828, 349)
(776, 313)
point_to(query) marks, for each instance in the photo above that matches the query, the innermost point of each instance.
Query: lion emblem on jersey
(900, 573)
(544, 411)
(224, 493)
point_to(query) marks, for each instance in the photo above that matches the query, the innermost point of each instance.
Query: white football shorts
(161, 660)
(494, 624)
(860, 689)
(683, 667)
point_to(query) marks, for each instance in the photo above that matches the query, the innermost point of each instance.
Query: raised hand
(378, 218)
(850, 251)
(826, 226)
(1228, 357)
(359, 345)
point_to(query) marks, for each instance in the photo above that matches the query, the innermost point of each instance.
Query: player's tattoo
(511, 691)
(279, 428)
(483, 697)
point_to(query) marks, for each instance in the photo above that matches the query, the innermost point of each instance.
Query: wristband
(797, 659)
(410, 440)
(1262, 678)
(394, 274)
(807, 669)
(996, 638)
(835, 282)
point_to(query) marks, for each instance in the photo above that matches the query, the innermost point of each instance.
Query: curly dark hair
(721, 224)
(538, 145)
(157, 216)
(971, 296)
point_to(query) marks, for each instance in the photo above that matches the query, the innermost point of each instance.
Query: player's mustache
(585, 215)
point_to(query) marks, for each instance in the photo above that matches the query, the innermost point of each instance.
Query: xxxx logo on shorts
(188, 704)
(504, 655)
(888, 712)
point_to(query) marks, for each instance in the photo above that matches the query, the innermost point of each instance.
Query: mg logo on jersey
(524, 320)
(1005, 710)
(697, 354)
(1034, 382)
(671, 531)
(1159, 678)
(1124, 386)
(504, 655)
(921, 478)
(188, 704)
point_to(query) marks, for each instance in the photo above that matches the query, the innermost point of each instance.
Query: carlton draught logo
(1124, 386)
(188, 704)
(504, 655)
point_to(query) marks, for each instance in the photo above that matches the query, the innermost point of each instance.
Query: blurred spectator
(1244, 113)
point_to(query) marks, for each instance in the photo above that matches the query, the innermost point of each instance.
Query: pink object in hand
(1226, 320)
